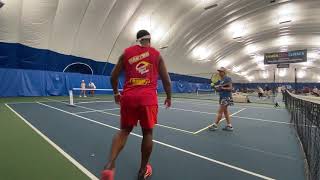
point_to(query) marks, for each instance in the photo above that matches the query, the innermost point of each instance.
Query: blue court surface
(263, 144)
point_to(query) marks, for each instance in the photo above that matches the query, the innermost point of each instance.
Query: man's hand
(114, 79)
(117, 98)
(165, 81)
(167, 103)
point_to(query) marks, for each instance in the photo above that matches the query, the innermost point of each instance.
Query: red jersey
(141, 75)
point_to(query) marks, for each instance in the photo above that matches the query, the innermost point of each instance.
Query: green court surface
(26, 155)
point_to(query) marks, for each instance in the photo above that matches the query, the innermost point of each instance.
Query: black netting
(306, 117)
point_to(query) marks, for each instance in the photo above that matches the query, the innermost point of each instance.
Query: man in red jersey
(142, 64)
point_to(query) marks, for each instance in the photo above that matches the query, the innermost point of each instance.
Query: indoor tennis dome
(194, 36)
(51, 129)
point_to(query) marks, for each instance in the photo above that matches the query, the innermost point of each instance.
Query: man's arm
(165, 77)
(115, 75)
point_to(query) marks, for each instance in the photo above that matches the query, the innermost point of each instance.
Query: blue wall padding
(17, 82)
(18, 56)
(20, 82)
(27, 71)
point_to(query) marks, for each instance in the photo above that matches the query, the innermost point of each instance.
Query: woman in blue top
(224, 87)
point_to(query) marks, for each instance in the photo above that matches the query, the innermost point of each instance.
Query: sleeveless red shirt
(141, 75)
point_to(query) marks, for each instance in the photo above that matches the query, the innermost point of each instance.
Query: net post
(295, 81)
(71, 97)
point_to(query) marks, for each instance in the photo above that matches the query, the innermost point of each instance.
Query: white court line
(220, 121)
(84, 112)
(186, 110)
(263, 120)
(170, 146)
(271, 121)
(88, 102)
(31, 102)
(177, 129)
(213, 103)
(160, 125)
(189, 110)
(240, 117)
(60, 150)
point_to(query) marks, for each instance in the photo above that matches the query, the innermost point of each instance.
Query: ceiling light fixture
(202, 60)
(282, 72)
(312, 55)
(250, 78)
(223, 63)
(307, 63)
(237, 30)
(284, 49)
(236, 68)
(201, 53)
(284, 14)
(284, 40)
(301, 74)
(251, 49)
(261, 66)
(142, 23)
(265, 74)
(258, 59)
(244, 73)
(157, 33)
(164, 47)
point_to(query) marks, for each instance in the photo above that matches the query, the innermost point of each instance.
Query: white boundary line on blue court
(214, 103)
(189, 110)
(60, 150)
(197, 132)
(112, 114)
(180, 109)
(168, 145)
(88, 102)
(240, 117)
(84, 112)
(233, 115)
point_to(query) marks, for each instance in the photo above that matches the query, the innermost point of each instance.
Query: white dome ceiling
(234, 34)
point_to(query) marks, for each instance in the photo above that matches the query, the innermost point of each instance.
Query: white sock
(229, 125)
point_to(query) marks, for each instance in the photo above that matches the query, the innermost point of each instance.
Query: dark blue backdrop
(18, 82)
(18, 56)
(26, 71)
